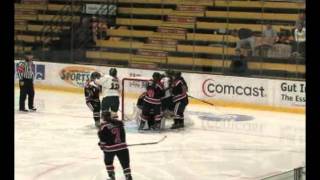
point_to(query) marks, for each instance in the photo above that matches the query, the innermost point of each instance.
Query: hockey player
(166, 101)
(151, 110)
(140, 100)
(138, 110)
(112, 138)
(91, 92)
(110, 92)
(180, 99)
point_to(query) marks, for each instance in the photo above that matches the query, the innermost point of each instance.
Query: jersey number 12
(114, 86)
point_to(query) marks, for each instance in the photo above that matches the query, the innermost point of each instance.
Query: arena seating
(184, 33)
(37, 23)
(193, 26)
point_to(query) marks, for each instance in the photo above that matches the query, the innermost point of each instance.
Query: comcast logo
(211, 88)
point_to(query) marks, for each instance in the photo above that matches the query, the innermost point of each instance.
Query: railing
(80, 30)
(56, 23)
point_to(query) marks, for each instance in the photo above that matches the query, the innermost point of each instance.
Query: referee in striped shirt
(25, 72)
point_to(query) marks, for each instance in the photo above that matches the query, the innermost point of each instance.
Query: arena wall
(257, 93)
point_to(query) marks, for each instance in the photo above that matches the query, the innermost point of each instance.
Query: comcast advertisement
(250, 90)
(211, 88)
(235, 89)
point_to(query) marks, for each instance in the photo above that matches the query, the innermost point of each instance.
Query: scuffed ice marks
(220, 117)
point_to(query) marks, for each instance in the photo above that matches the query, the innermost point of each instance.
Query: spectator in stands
(94, 28)
(301, 20)
(299, 39)
(238, 64)
(102, 29)
(284, 37)
(269, 35)
(246, 38)
(265, 43)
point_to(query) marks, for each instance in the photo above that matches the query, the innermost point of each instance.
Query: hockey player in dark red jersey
(91, 92)
(151, 108)
(112, 142)
(180, 99)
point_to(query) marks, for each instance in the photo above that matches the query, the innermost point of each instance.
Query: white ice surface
(58, 142)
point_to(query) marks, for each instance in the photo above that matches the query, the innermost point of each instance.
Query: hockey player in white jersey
(166, 101)
(110, 92)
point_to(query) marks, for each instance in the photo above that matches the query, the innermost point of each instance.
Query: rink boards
(257, 93)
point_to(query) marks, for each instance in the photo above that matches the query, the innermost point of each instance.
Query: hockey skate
(178, 123)
(97, 124)
(128, 177)
(111, 176)
(141, 125)
(175, 124)
(156, 126)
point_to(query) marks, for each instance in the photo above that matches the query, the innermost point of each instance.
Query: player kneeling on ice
(91, 93)
(166, 100)
(180, 99)
(112, 137)
(151, 105)
(110, 92)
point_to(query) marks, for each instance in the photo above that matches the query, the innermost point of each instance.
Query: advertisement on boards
(290, 93)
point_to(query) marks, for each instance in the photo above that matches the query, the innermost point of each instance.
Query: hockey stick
(206, 102)
(211, 104)
(148, 143)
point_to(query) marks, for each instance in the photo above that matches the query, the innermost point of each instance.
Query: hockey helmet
(106, 115)
(113, 72)
(95, 75)
(156, 76)
(177, 74)
(169, 72)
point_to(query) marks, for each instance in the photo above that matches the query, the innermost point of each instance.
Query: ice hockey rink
(58, 142)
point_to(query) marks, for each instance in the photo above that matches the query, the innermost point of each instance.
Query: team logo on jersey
(76, 75)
